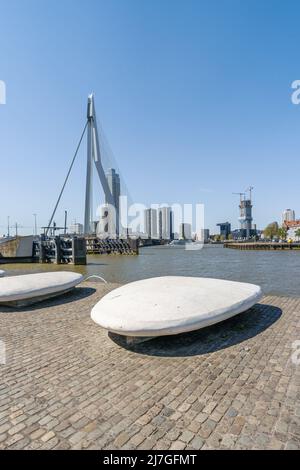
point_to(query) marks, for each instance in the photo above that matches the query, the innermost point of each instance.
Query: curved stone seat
(30, 288)
(171, 305)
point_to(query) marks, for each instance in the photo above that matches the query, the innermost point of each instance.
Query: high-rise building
(151, 223)
(185, 231)
(288, 216)
(246, 217)
(113, 180)
(106, 226)
(165, 223)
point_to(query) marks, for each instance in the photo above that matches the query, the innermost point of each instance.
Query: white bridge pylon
(93, 158)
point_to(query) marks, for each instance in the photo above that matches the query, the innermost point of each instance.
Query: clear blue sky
(194, 97)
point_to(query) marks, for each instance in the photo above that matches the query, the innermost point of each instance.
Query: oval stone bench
(171, 305)
(31, 288)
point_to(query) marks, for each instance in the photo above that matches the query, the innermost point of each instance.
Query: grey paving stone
(68, 385)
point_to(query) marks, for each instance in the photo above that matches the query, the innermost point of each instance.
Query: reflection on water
(277, 272)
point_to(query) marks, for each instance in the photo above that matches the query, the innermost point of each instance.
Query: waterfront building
(288, 215)
(113, 180)
(76, 229)
(185, 231)
(241, 234)
(292, 227)
(151, 225)
(165, 223)
(225, 229)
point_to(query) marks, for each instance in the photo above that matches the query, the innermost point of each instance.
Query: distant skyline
(194, 98)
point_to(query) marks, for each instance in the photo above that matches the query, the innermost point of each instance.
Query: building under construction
(247, 230)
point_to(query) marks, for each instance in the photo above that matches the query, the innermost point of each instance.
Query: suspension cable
(67, 177)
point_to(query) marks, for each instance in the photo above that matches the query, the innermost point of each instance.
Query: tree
(282, 233)
(271, 230)
(297, 233)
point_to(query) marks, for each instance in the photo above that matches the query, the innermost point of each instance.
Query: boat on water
(186, 244)
(181, 243)
(16, 248)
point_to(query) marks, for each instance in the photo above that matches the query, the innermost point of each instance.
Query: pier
(60, 250)
(262, 246)
(98, 246)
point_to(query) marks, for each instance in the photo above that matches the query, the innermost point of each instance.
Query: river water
(277, 272)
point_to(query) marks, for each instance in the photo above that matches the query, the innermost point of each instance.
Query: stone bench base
(132, 340)
(33, 300)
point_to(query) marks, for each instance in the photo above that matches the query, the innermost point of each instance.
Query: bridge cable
(67, 177)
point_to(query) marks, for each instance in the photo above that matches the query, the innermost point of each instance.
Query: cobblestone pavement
(66, 384)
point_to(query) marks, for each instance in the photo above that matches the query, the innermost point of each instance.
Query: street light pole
(8, 225)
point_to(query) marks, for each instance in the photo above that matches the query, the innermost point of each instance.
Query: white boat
(27, 289)
(171, 305)
(180, 243)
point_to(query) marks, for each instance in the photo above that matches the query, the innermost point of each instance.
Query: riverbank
(67, 385)
(262, 246)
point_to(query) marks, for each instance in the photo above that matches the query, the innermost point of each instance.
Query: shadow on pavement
(76, 294)
(222, 335)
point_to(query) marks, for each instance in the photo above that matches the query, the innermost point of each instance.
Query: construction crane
(240, 194)
(250, 191)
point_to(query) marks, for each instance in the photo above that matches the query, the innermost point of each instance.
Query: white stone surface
(2, 273)
(28, 286)
(171, 305)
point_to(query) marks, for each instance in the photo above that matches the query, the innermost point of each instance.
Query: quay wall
(261, 246)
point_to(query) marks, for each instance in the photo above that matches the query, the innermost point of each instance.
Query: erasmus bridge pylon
(93, 160)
